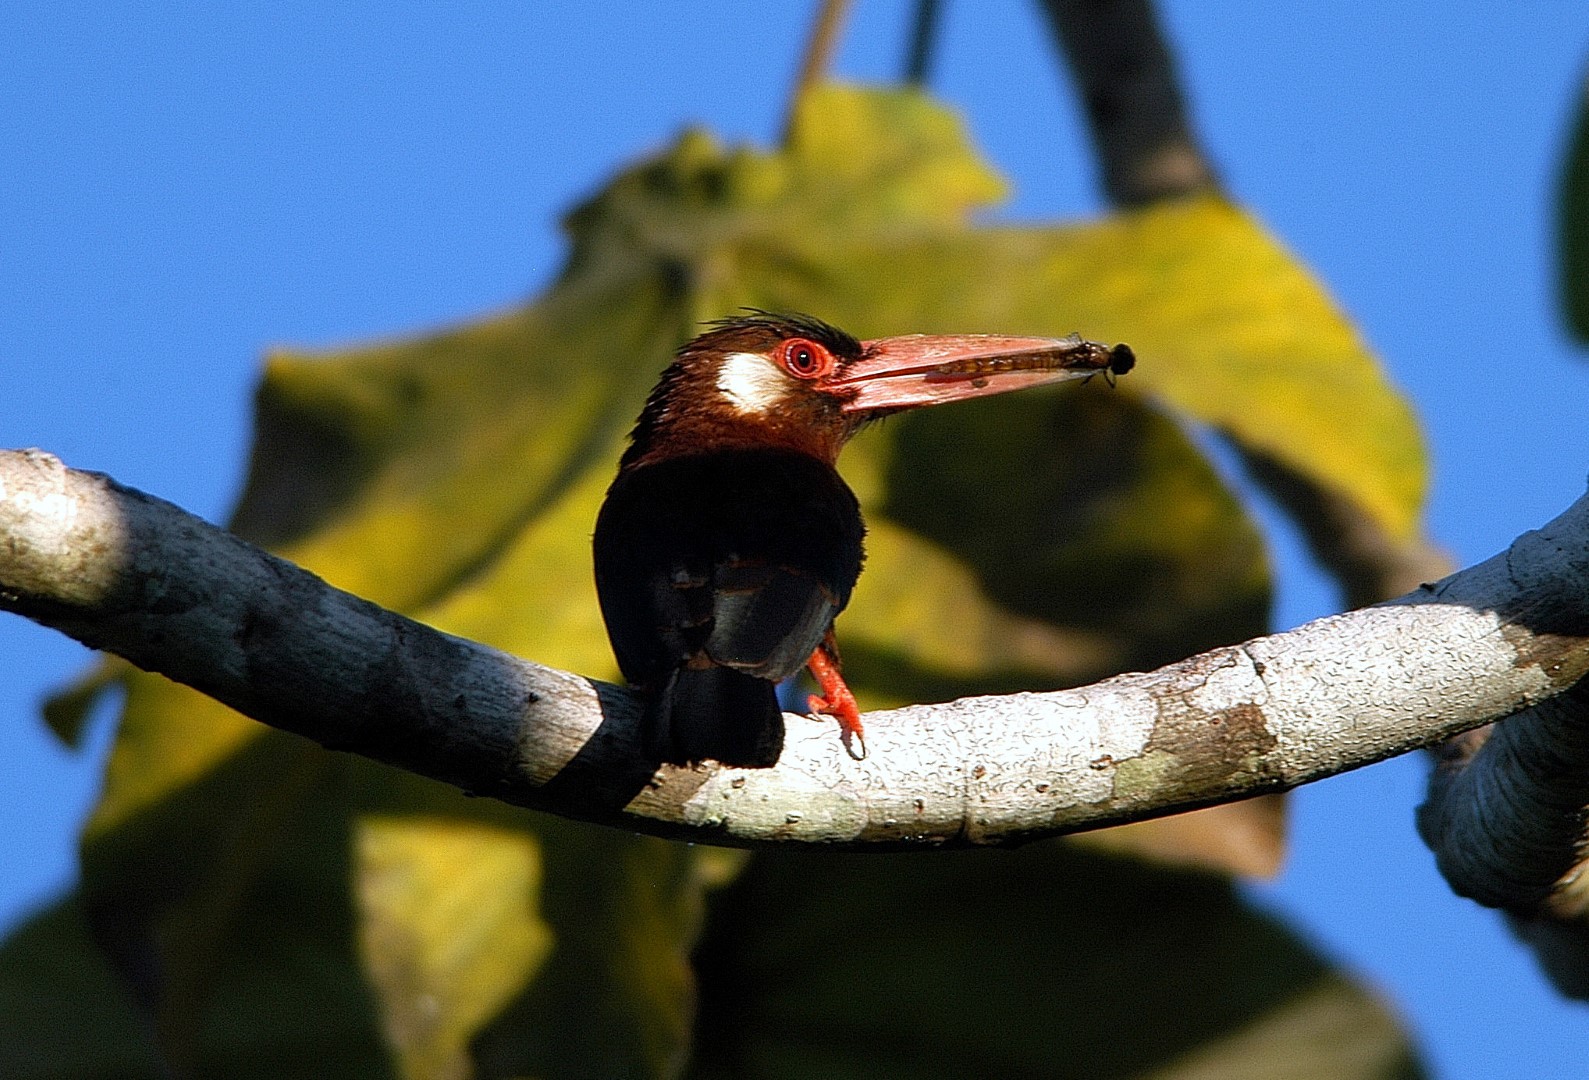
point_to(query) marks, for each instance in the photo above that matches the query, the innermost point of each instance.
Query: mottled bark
(125, 572)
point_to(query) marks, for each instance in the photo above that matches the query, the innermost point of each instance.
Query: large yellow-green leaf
(1048, 961)
(1029, 541)
(446, 930)
(1230, 330)
(396, 472)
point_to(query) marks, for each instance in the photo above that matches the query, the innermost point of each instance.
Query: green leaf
(277, 908)
(1046, 961)
(917, 168)
(446, 930)
(397, 472)
(616, 996)
(1083, 511)
(224, 903)
(63, 1013)
(67, 710)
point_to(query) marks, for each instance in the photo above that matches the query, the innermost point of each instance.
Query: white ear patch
(751, 383)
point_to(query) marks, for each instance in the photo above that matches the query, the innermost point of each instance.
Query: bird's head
(795, 382)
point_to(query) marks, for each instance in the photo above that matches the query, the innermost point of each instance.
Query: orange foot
(836, 700)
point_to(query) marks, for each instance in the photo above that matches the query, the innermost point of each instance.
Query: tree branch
(123, 571)
(1125, 76)
(818, 55)
(1508, 809)
(1348, 541)
(1506, 820)
(923, 40)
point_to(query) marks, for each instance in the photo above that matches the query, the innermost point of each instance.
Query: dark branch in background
(1370, 564)
(1126, 79)
(1572, 221)
(1506, 820)
(923, 39)
(128, 573)
(1505, 811)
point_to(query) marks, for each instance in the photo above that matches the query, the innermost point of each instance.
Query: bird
(728, 543)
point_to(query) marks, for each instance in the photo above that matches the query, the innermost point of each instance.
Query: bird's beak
(922, 369)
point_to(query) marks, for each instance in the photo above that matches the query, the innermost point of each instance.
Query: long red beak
(921, 369)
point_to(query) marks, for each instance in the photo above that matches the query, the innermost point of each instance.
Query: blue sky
(187, 185)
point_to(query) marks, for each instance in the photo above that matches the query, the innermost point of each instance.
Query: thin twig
(923, 39)
(818, 56)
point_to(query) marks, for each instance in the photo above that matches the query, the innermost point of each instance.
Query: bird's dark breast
(738, 558)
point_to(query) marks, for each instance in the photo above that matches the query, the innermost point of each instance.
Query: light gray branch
(125, 572)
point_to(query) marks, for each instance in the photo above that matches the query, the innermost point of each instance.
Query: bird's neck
(686, 434)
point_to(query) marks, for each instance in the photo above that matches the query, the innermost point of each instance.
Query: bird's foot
(848, 715)
(837, 701)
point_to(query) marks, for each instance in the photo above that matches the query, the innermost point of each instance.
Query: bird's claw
(852, 739)
(836, 700)
(848, 714)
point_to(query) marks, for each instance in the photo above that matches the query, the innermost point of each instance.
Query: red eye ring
(804, 358)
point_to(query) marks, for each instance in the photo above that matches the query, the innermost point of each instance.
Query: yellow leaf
(447, 931)
(1029, 541)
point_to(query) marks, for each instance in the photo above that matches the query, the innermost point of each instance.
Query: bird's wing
(766, 619)
(739, 559)
(658, 613)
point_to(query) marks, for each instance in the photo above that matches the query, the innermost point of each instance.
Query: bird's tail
(717, 714)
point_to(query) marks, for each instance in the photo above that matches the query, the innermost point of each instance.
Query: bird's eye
(805, 359)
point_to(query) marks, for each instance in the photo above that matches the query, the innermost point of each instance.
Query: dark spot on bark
(1212, 749)
(401, 684)
(1559, 656)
